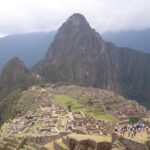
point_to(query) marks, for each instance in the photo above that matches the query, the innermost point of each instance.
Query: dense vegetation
(133, 119)
(14, 79)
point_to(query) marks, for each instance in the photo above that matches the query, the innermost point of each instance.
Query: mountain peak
(15, 64)
(77, 19)
(15, 60)
(74, 22)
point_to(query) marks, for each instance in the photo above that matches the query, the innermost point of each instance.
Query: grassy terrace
(77, 106)
(80, 137)
(140, 137)
(50, 146)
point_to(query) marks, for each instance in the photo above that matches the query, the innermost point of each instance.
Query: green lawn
(76, 106)
(103, 116)
(64, 99)
(140, 137)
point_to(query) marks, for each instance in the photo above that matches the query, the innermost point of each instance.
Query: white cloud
(18, 16)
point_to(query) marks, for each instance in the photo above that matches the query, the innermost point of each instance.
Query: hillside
(79, 55)
(15, 78)
(100, 104)
(44, 120)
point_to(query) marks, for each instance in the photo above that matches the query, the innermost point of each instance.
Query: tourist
(139, 129)
(129, 133)
(147, 130)
(132, 133)
(116, 129)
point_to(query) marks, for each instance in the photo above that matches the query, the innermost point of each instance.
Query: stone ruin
(54, 122)
(80, 123)
(46, 121)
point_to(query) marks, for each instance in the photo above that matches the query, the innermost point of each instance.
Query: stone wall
(57, 146)
(115, 137)
(64, 133)
(132, 145)
(103, 146)
(148, 144)
(89, 144)
(129, 144)
(20, 145)
(78, 131)
(42, 139)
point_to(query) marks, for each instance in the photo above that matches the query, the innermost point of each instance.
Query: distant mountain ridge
(139, 40)
(30, 47)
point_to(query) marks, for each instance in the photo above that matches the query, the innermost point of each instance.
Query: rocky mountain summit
(79, 55)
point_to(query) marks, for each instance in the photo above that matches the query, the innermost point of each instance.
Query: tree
(133, 119)
(69, 106)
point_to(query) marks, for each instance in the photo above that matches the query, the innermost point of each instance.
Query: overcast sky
(18, 16)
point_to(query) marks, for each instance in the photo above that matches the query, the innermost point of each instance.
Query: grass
(140, 137)
(64, 99)
(103, 116)
(61, 144)
(50, 146)
(80, 137)
(77, 106)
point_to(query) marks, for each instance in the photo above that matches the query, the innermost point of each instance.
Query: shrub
(133, 119)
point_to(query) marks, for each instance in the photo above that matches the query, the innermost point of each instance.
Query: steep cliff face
(79, 55)
(133, 72)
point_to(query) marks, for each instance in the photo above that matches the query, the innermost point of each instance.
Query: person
(147, 130)
(116, 129)
(132, 133)
(139, 129)
(121, 132)
(129, 133)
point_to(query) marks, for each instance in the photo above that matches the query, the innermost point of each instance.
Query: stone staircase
(60, 144)
(2, 145)
(11, 143)
(14, 143)
(32, 146)
(118, 146)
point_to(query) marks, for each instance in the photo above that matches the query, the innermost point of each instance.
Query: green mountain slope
(14, 78)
